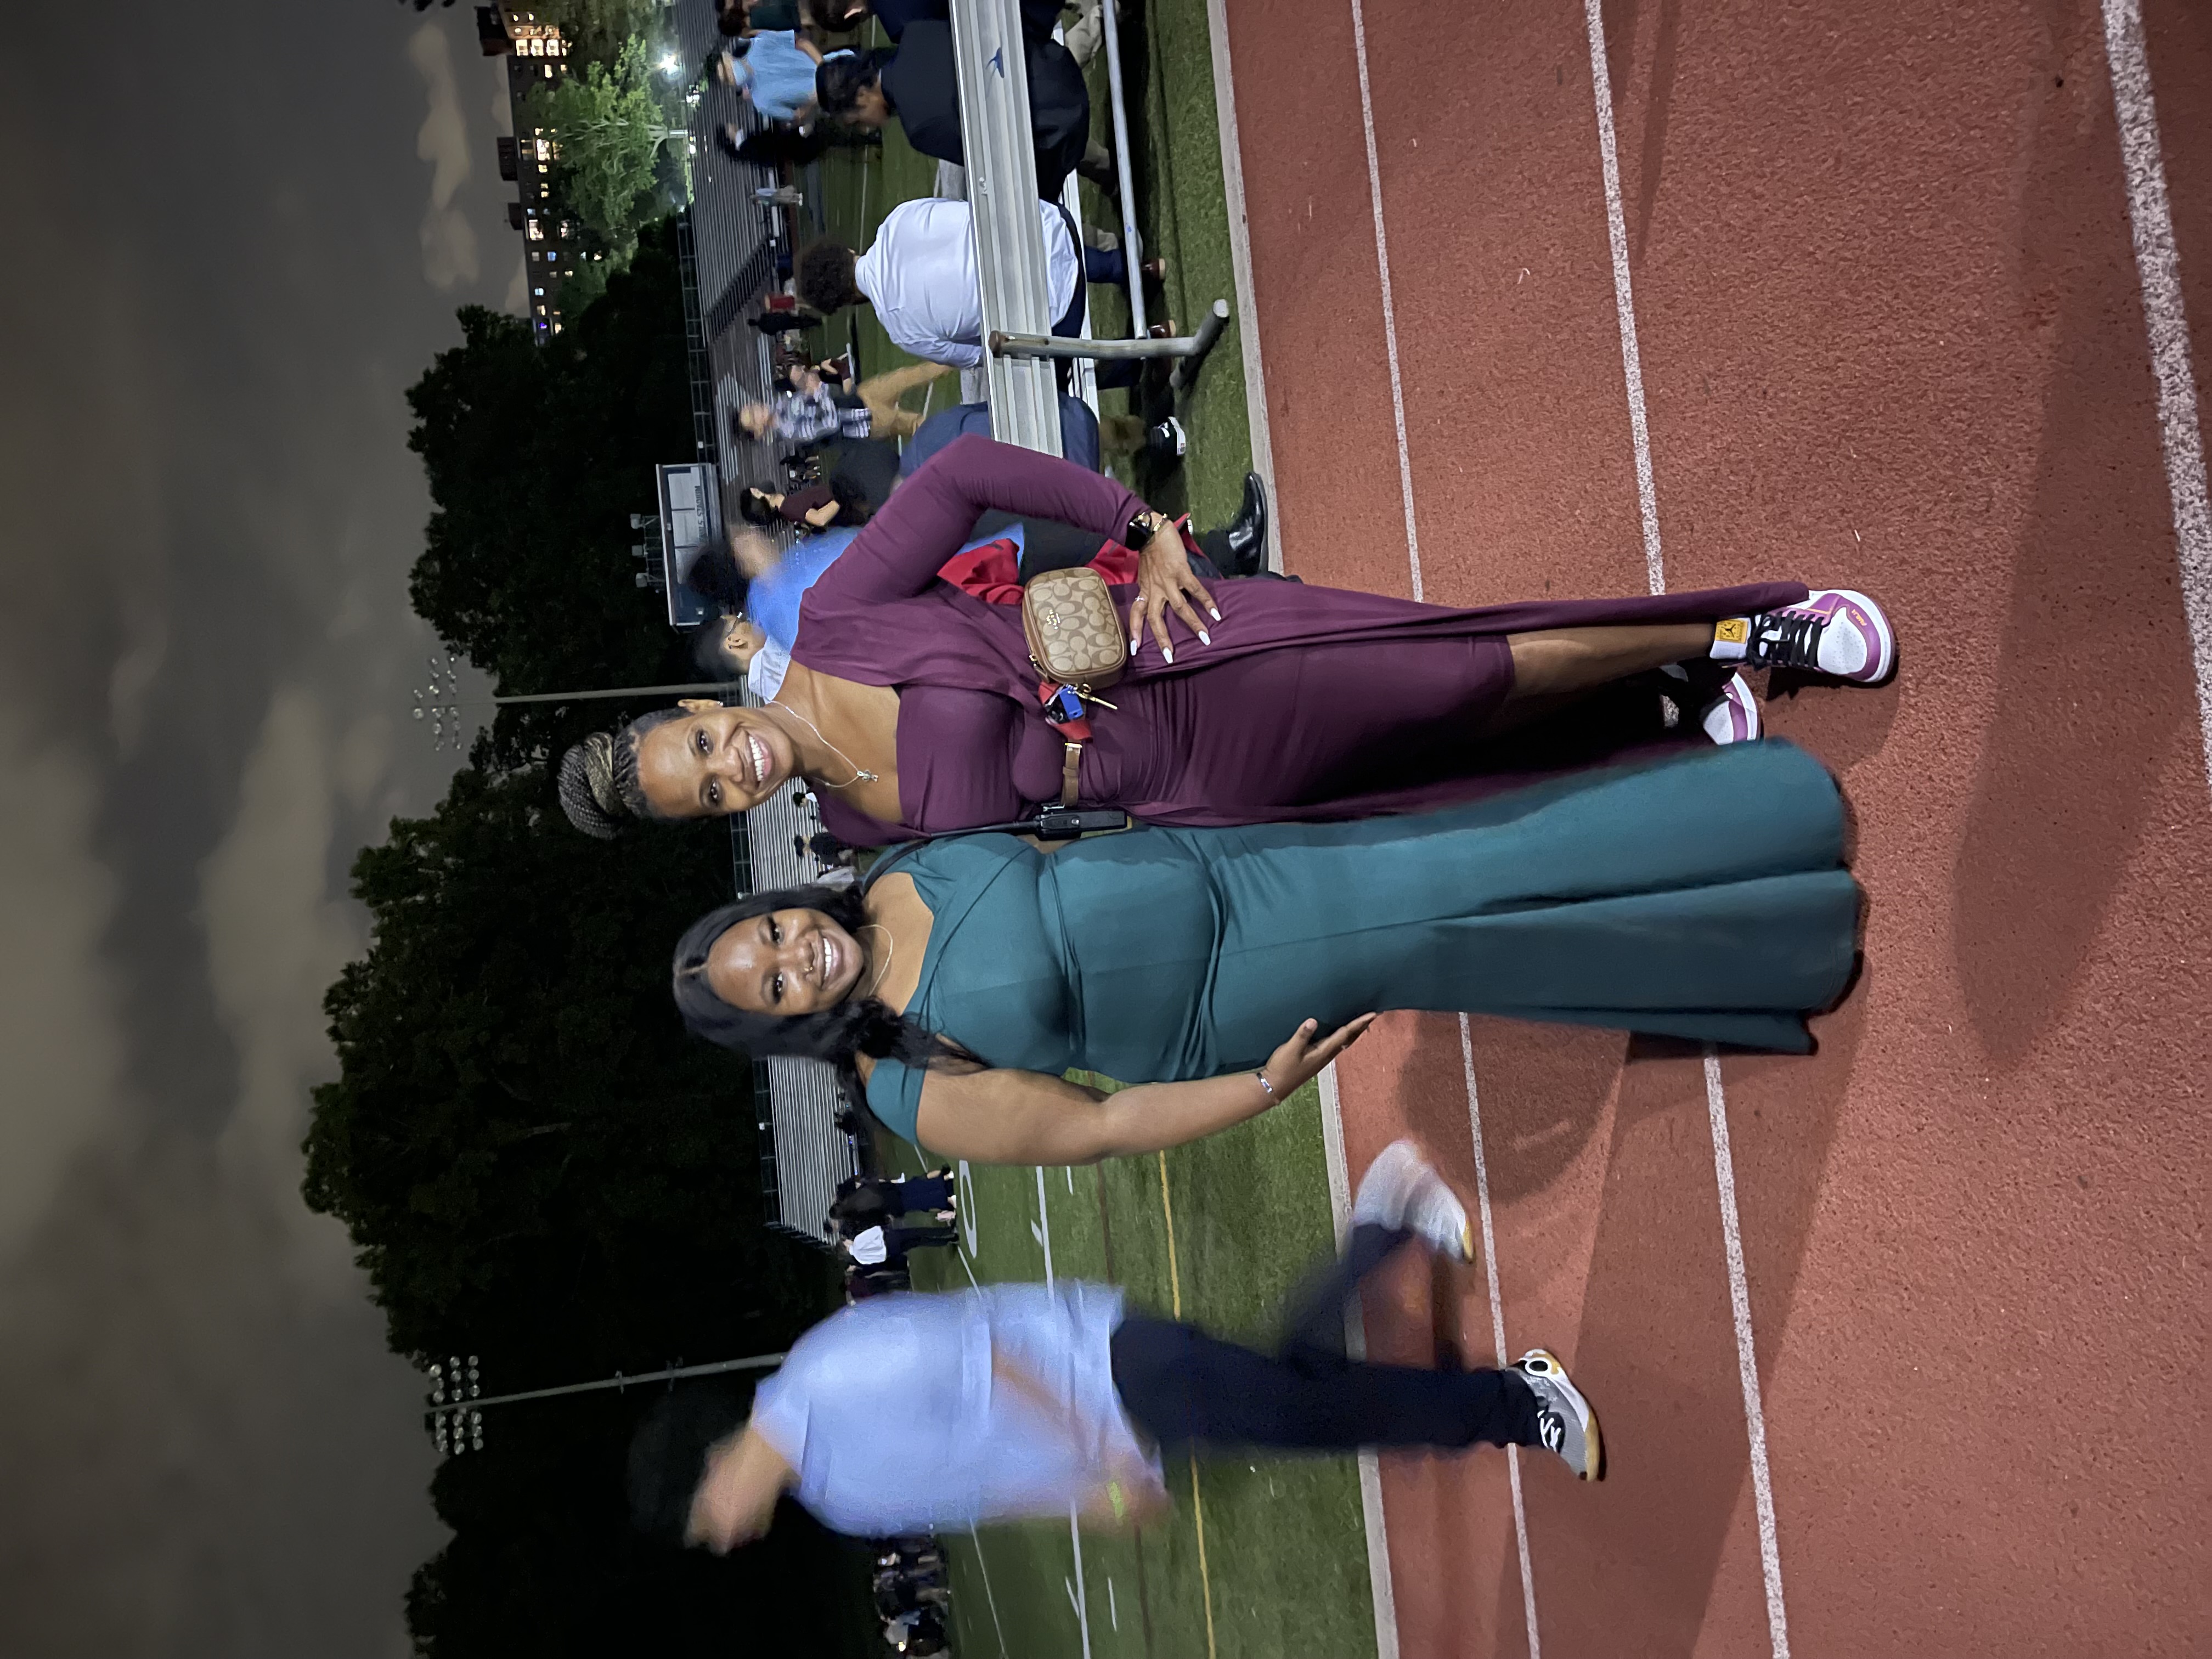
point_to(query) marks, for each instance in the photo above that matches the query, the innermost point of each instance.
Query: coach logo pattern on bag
(1074, 634)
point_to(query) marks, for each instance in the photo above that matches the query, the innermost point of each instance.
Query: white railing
(1002, 195)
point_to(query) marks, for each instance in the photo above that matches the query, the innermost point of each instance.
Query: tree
(536, 456)
(612, 123)
(538, 1163)
(534, 1160)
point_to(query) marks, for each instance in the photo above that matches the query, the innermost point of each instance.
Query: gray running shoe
(1401, 1191)
(1564, 1422)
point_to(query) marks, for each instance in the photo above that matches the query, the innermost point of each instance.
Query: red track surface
(1892, 338)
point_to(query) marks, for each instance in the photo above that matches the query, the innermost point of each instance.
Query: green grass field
(1262, 1560)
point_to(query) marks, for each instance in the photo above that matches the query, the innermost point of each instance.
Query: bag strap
(1050, 824)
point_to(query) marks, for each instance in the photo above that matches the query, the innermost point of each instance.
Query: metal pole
(1049, 345)
(1133, 247)
(673, 1373)
(719, 687)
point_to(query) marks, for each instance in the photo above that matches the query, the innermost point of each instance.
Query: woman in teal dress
(1701, 897)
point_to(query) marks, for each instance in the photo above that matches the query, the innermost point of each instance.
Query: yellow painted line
(1167, 1209)
(1197, 1503)
(1205, 1583)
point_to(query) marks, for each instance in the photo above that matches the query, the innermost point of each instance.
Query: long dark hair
(856, 1026)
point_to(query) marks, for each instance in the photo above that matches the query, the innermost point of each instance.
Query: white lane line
(1041, 1228)
(2158, 264)
(1379, 1583)
(1240, 269)
(1616, 221)
(1413, 566)
(1747, 1361)
(989, 1595)
(1390, 306)
(1076, 1593)
(1498, 1326)
(1383, 1594)
(1647, 496)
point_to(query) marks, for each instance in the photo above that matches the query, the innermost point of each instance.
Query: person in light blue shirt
(908, 1413)
(773, 69)
(755, 644)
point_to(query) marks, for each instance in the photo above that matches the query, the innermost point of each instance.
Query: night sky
(237, 233)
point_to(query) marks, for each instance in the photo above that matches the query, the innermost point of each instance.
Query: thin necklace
(861, 774)
(892, 950)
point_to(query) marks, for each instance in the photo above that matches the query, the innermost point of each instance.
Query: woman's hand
(1303, 1059)
(1165, 583)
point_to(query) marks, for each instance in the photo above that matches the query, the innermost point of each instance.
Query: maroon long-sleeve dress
(1311, 703)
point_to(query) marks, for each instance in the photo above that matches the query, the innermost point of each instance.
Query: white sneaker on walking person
(1402, 1192)
(1564, 1422)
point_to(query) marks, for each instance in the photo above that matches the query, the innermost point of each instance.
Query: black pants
(1096, 266)
(919, 1193)
(1185, 1387)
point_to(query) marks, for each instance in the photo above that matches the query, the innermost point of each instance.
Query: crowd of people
(869, 1221)
(913, 1595)
(1339, 804)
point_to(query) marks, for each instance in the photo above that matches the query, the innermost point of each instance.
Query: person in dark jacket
(1039, 16)
(916, 85)
(865, 1201)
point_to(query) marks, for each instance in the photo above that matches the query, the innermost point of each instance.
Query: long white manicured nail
(1167, 654)
(1212, 612)
(1205, 638)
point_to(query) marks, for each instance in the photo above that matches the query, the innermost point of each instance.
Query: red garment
(993, 572)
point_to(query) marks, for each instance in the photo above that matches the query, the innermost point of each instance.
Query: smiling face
(713, 761)
(787, 962)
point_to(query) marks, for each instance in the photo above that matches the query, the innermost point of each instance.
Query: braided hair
(840, 1035)
(599, 783)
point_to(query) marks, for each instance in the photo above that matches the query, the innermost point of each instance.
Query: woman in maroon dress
(912, 709)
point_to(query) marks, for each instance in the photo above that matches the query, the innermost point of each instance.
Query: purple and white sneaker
(1836, 632)
(1732, 716)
